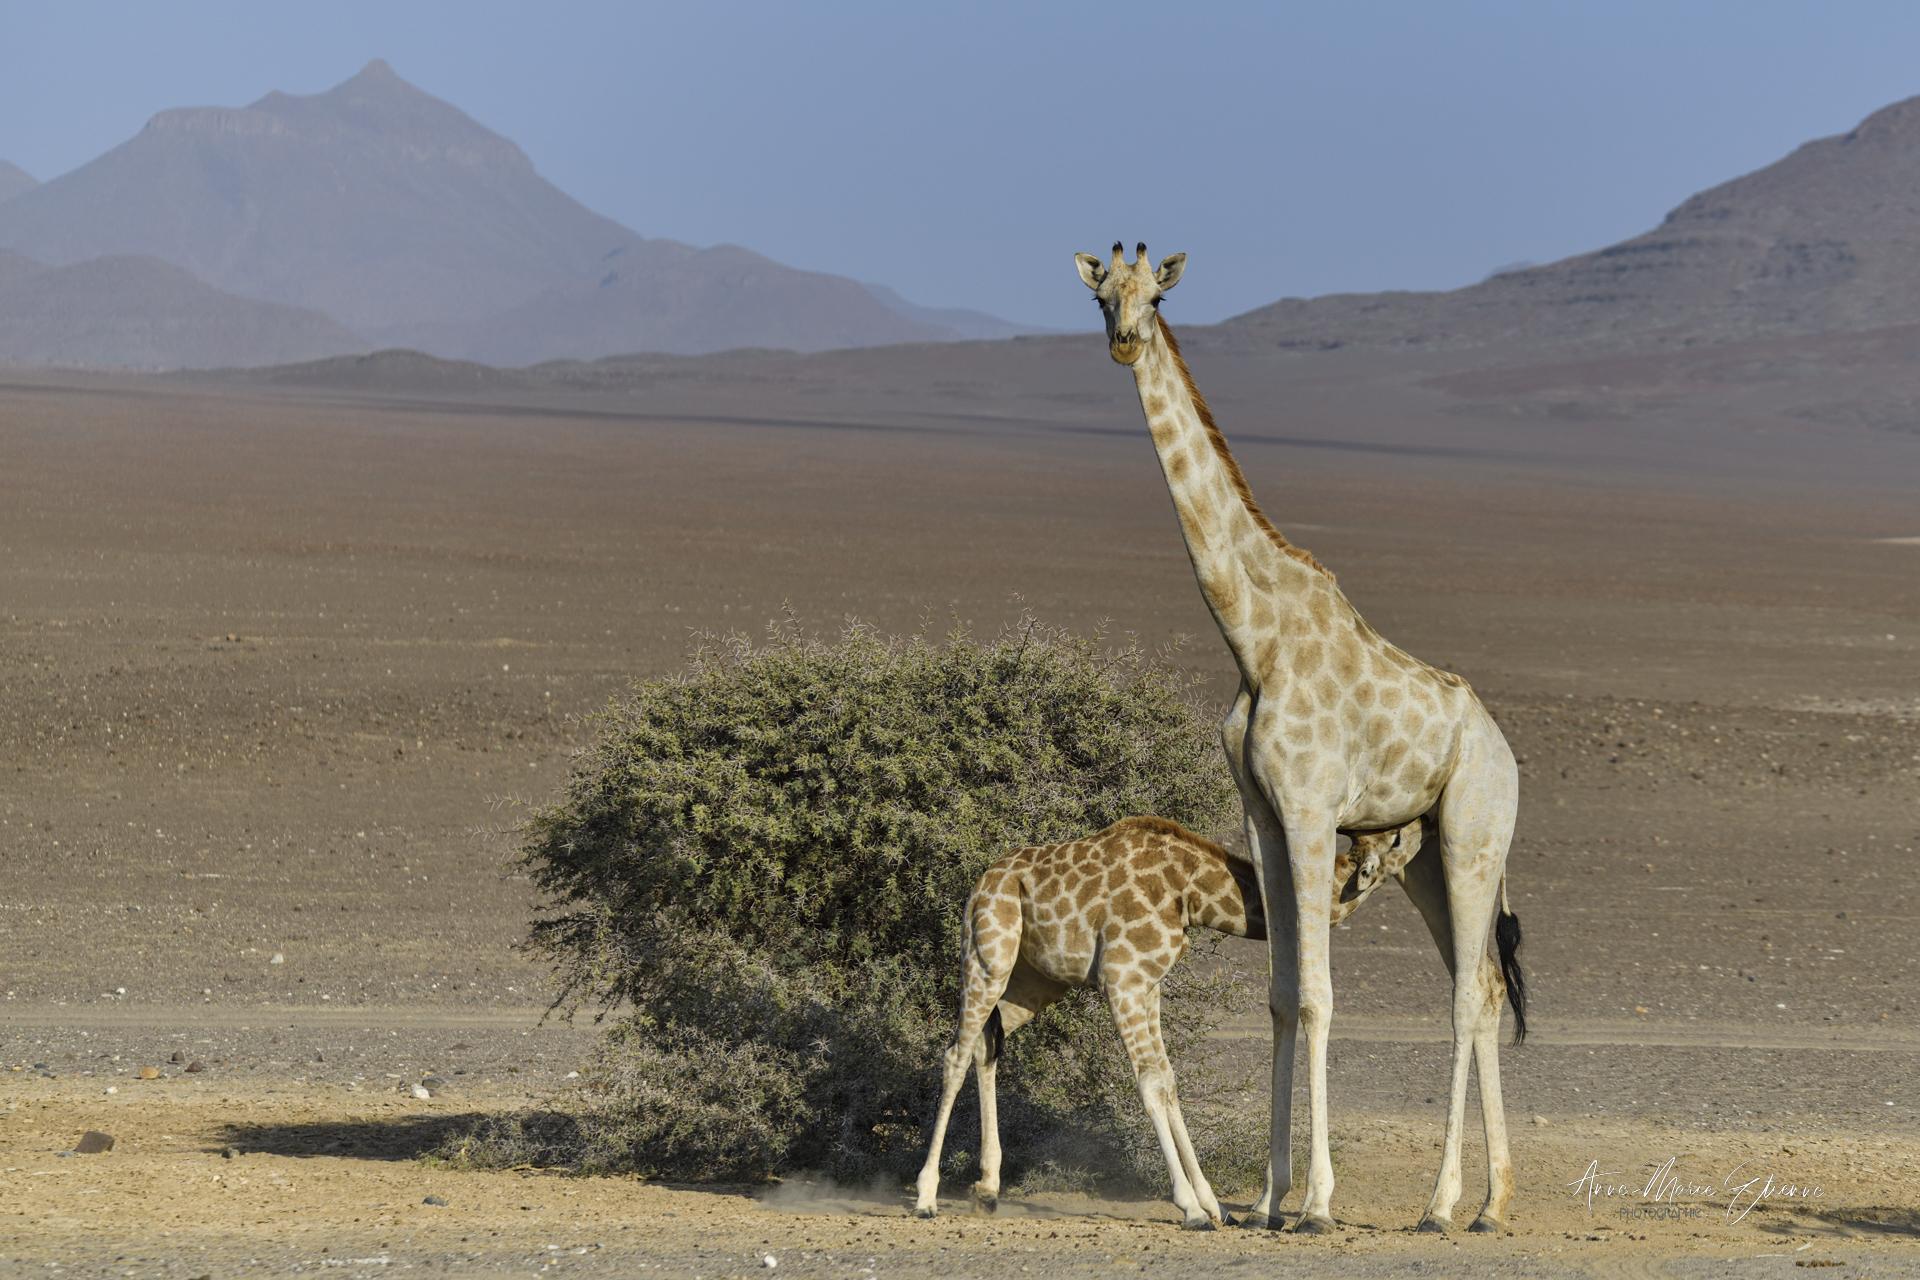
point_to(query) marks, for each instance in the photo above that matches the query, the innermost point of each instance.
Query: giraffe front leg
(1136, 1012)
(1283, 1006)
(1310, 846)
(1267, 845)
(1183, 1142)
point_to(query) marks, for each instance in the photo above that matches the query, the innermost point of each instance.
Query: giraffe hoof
(1434, 1226)
(1487, 1226)
(1201, 1223)
(1253, 1221)
(1310, 1225)
(986, 1201)
(925, 1212)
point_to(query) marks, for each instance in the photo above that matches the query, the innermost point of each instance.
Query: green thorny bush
(763, 864)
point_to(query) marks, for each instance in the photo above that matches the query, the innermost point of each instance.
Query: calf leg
(1136, 1011)
(987, 971)
(1027, 993)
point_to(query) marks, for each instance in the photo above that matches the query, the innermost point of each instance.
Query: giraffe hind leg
(1028, 992)
(989, 964)
(1461, 886)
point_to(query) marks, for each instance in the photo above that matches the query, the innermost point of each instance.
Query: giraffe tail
(1506, 935)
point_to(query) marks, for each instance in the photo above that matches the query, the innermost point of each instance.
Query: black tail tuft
(995, 1033)
(1506, 933)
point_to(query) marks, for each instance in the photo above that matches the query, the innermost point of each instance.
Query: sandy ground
(324, 1178)
(277, 669)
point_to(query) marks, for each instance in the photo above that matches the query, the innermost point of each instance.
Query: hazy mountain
(135, 312)
(1826, 239)
(409, 222)
(965, 324)
(689, 301)
(14, 180)
(373, 202)
(17, 266)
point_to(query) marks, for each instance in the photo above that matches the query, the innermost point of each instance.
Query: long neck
(1225, 897)
(1247, 570)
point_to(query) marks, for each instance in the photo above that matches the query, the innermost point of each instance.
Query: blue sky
(962, 153)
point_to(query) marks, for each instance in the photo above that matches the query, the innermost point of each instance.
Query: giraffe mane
(1218, 440)
(1168, 827)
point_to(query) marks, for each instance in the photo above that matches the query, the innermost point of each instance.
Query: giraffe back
(1122, 897)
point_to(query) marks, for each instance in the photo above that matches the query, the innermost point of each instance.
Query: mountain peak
(14, 180)
(1898, 122)
(379, 82)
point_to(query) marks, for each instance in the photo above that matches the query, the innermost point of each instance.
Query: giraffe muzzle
(1125, 348)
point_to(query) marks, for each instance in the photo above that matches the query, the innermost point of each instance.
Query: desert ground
(281, 658)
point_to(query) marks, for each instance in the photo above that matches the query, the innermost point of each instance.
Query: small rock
(176, 1056)
(435, 1200)
(1541, 1122)
(195, 1067)
(230, 1153)
(148, 1073)
(112, 1088)
(422, 1092)
(277, 959)
(319, 1056)
(92, 1143)
(769, 1262)
(433, 1082)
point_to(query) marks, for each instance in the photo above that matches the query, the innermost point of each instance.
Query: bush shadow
(398, 1138)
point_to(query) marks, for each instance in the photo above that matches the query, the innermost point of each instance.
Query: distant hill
(689, 301)
(17, 266)
(394, 369)
(972, 326)
(1826, 239)
(140, 313)
(14, 180)
(412, 224)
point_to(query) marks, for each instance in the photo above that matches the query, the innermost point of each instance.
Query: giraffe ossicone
(1334, 732)
(1109, 911)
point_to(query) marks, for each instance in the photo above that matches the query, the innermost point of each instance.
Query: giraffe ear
(1091, 272)
(1171, 268)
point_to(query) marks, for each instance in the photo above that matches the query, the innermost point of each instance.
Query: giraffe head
(1129, 296)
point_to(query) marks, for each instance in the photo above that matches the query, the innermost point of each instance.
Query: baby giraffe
(1111, 911)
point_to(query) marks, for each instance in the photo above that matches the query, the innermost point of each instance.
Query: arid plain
(281, 652)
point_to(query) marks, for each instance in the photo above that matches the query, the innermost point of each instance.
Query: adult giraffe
(1334, 731)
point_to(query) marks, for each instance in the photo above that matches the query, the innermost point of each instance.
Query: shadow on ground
(1851, 1222)
(404, 1138)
